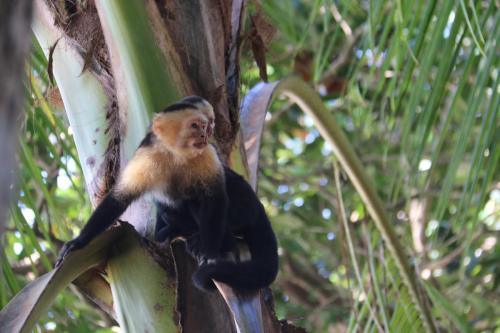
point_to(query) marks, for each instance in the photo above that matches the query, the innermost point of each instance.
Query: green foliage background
(414, 86)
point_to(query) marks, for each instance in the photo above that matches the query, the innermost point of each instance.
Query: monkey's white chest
(162, 196)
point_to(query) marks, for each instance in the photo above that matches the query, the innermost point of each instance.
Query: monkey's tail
(259, 272)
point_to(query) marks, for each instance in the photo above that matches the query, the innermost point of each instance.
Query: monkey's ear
(157, 125)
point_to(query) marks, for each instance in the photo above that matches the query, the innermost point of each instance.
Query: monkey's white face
(185, 132)
(197, 131)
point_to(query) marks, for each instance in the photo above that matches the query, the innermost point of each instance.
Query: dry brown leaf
(261, 34)
(303, 64)
(264, 28)
(259, 51)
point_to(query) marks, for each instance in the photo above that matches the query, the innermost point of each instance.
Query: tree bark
(15, 18)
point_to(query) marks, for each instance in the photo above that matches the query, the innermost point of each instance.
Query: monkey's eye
(194, 125)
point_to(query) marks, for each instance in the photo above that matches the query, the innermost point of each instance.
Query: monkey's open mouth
(200, 144)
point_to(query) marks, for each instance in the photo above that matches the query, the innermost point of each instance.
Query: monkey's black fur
(246, 218)
(185, 103)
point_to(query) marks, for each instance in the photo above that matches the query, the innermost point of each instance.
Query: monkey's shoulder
(245, 207)
(237, 185)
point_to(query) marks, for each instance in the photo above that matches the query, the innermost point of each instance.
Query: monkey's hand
(69, 247)
(193, 247)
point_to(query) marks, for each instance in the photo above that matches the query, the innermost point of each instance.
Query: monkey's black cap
(190, 102)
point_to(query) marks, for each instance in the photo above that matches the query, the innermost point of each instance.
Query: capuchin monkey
(198, 199)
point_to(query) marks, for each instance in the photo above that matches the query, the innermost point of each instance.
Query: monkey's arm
(110, 208)
(211, 217)
(246, 218)
(131, 184)
(104, 215)
(172, 222)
